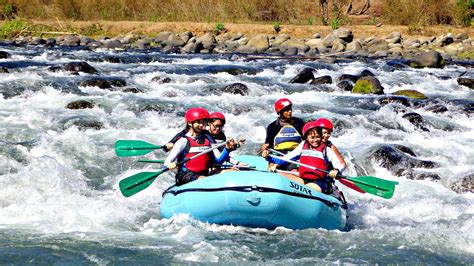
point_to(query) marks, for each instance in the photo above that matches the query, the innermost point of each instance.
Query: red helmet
(217, 115)
(308, 126)
(282, 103)
(196, 113)
(324, 123)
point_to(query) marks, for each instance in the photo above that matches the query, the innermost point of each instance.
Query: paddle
(126, 148)
(150, 161)
(344, 181)
(138, 182)
(370, 184)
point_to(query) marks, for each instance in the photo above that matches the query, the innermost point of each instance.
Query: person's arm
(294, 155)
(169, 145)
(178, 147)
(339, 156)
(224, 155)
(218, 155)
(271, 133)
(336, 163)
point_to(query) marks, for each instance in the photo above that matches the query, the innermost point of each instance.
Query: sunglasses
(217, 126)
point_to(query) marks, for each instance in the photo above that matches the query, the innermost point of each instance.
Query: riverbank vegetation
(299, 12)
(298, 18)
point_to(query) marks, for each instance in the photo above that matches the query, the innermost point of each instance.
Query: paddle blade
(350, 184)
(375, 186)
(126, 148)
(138, 182)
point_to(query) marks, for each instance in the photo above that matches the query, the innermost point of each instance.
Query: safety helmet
(217, 115)
(196, 113)
(324, 123)
(282, 103)
(308, 126)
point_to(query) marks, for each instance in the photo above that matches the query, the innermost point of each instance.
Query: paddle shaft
(140, 181)
(277, 152)
(301, 164)
(151, 161)
(197, 155)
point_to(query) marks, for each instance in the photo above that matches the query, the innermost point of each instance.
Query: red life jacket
(202, 162)
(313, 157)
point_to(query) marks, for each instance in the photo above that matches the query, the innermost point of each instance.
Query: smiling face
(326, 134)
(198, 125)
(313, 138)
(216, 126)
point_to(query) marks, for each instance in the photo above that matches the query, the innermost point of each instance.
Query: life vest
(313, 157)
(200, 163)
(287, 138)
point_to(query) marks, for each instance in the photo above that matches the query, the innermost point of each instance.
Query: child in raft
(313, 152)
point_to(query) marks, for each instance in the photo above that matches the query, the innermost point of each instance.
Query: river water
(59, 202)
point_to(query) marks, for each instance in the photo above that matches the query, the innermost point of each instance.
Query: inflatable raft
(255, 198)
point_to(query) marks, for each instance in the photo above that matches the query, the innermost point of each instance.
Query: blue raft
(254, 199)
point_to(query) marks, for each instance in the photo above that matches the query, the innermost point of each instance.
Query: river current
(59, 202)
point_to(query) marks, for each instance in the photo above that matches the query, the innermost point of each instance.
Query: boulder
(387, 99)
(101, 83)
(80, 67)
(468, 82)
(161, 80)
(80, 104)
(305, 76)
(162, 37)
(207, 40)
(236, 88)
(397, 160)
(427, 59)
(280, 39)
(377, 45)
(354, 46)
(345, 85)
(4, 55)
(71, 41)
(368, 85)
(82, 122)
(348, 77)
(437, 108)
(322, 80)
(259, 42)
(411, 94)
(416, 120)
(112, 44)
(294, 43)
(464, 185)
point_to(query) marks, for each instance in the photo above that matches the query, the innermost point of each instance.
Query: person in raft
(327, 129)
(192, 143)
(313, 152)
(214, 133)
(283, 134)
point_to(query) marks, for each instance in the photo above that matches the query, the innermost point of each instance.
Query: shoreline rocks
(419, 52)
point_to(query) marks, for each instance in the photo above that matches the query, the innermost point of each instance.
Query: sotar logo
(300, 188)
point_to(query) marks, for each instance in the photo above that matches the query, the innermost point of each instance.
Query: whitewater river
(59, 202)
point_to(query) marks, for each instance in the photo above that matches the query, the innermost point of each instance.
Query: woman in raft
(192, 143)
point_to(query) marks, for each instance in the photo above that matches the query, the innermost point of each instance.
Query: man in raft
(283, 134)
